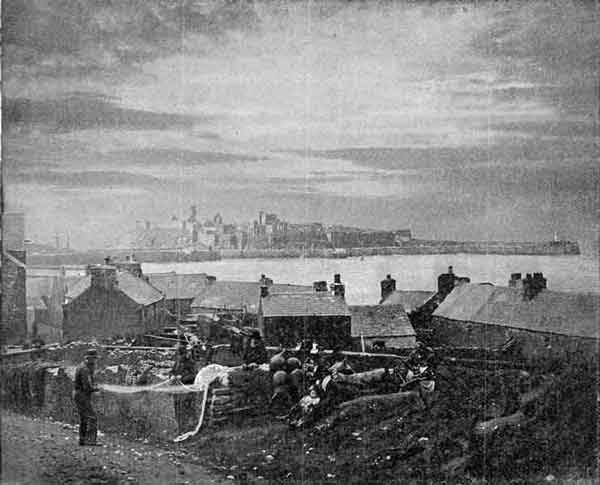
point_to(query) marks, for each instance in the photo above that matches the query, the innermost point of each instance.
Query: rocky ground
(39, 451)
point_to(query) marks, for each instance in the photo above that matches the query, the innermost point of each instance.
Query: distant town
(197, 238)
(268, 231)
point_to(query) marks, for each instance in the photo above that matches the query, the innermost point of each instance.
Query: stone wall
(44, 388)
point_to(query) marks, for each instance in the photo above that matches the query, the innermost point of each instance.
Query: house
(45, 298)
(14, 301)
(111, 302)
(292, 317)
(237, 297)
(541, 322)
(13, 304)
(179, 289)
(381, 326)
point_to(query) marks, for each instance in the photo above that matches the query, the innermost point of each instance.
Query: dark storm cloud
(58, 37)
(81, 111)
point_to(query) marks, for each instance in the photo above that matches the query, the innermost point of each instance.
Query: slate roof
(235, 295)
(572, 314)
(302, 304)
(77, 287)
(410, 300)
(179, 286)
(380, 321)
(139, 290)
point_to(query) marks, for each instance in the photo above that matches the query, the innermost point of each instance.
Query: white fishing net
(206, 376)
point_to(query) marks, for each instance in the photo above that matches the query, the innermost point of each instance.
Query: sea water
(412, 272)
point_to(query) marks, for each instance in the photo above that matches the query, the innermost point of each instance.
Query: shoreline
(413, 247)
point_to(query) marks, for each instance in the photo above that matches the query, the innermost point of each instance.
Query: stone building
(13, 274)
(541, 323)
(110, 302)
(290, 318)
(179, 290)
(237, 297)
(381, 326)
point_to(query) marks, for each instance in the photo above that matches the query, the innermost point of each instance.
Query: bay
(412, 272)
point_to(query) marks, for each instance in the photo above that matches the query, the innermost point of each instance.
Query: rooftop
(236, 295)
(300, 304)
(410, 300)
(380, 321)
(138, 289)
(572, 314)
(177, 286)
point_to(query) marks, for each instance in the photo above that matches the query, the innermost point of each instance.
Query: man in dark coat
(84, 386)
(184, 369)
(255, 351)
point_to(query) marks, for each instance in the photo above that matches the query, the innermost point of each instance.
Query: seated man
(305, 411)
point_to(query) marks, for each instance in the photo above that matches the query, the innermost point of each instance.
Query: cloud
(443, 118)
(73, 37)
(84, 111)
(81, 179)
(180, 157)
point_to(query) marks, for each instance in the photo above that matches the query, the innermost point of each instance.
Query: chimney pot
(388, 286)
(337, 278)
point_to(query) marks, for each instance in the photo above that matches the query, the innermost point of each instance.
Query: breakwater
(418, 247)
(412, 247)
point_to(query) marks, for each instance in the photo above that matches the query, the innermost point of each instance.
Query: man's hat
(91, 353)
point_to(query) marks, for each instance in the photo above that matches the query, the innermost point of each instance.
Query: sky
(465, 120)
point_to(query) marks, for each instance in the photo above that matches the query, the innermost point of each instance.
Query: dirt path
(38, 451)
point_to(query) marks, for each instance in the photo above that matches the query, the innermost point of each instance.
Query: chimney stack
(515, 280)
(147, 225)
(265, 281)
(131, 265)
(388, 286)
(337, 287)
(103, 276)
(320, 286)
(448, 281)
(210, 279)
(532, 285)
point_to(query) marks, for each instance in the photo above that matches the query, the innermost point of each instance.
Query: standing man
(255, 351)
(82, 395)
(184, 369)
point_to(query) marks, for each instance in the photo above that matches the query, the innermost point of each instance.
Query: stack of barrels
(288, 380)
